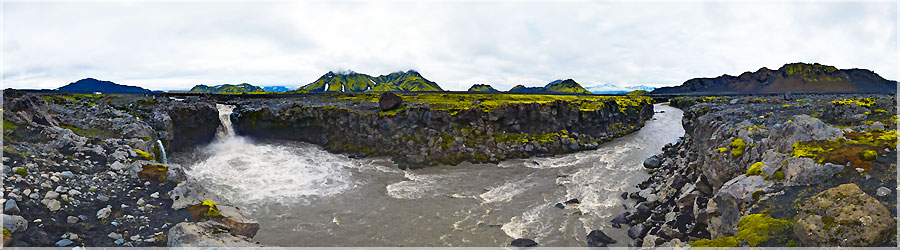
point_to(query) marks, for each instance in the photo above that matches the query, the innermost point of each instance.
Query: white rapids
(304, 196)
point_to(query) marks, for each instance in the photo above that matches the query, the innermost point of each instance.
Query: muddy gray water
(304, 196)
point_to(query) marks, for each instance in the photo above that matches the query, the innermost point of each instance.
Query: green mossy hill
(227, 89)
(482, 88)
(409, 81)
(340, 82)
(558, 86)
(566, 86)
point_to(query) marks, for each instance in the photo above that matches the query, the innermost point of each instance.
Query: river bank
(802, 170)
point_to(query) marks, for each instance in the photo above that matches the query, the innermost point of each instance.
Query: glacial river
(304, 196)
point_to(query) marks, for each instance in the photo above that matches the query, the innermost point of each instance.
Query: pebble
(104, 212)
(63, 242)
(114, 236)
(141, 202)
(154, 195)
(11, 207)
(120, 241)
(135, 238)
(37, 220)
(54, 178)
(26, 192)
(72, 219)
(882, 191)
(73, 236)
(74, 192)
(67, 174)
(103, 198)
(51, 195)
(54, 205)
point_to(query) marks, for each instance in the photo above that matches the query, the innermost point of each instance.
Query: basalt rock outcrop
(418, 136)
(86, 169)
(773, 171)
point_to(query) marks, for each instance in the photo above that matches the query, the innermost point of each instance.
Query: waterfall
(162, 152)
(226, 131)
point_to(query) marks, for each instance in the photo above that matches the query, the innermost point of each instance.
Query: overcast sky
(456, 44)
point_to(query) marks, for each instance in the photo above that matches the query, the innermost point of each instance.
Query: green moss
(143, 155)
(91, 132)
(717, 242)
(8, 126)
(865, 102)
(778, 175)
(6, 233)
(22, 171)
(453, 103)
(757, 228)
(204, 210)
(146, 138)
(755, 169)
(722, 150)
(737, 147)
(753, 230)
(850, 148)
(157, 172)
(869, 155)
(793, 244)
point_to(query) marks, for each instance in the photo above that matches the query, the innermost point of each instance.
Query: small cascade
(162, 152)
(226, 131)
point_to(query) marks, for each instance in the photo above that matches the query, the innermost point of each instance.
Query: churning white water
(304, 196)
(245, 172)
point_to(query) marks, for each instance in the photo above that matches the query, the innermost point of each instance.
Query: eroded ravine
(304, 196)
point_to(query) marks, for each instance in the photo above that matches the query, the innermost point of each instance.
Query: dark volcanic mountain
(558, 86)
(794, 77)
(409, 81)
(89, 85)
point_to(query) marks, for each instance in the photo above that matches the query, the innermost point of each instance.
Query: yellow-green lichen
(850, 148)
(865, 102)
(753, 230)
(722, 150)
(143, 155)
(22, 171)
(157, 172)
(737, 147)
(778, 175)
(755, 169)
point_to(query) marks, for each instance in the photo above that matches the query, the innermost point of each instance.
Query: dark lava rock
(572, 201)
(624, 195)
(621, 219)
(597, 238)
(637, 231)
(642, 212)
(523, 243)
(559, 205)
(637, 197)
(389, 101)
(652, 162)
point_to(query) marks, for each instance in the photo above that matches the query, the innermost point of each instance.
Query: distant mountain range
(793, 77)
(276, 89)
(610, 89)
(482, 88)
(409, 81)
(227, 89)
(558, 86)
(90, 85)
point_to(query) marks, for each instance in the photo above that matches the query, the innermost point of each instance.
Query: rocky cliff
(811, 170)
(418, 135)
(88, 170)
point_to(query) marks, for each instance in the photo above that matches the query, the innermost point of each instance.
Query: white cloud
(175, 46)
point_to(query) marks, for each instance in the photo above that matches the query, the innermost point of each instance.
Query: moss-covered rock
(844, 216)
(753, 230)
(156, 172)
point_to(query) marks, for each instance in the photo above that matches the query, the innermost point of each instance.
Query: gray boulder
(14, 223)
(844, 216)
(206, 234)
